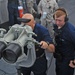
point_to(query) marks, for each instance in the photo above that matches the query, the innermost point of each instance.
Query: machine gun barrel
(13, 50)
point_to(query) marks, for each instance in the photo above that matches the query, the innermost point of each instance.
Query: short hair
(59, 12)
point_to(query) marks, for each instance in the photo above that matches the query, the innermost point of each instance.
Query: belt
(40, 56)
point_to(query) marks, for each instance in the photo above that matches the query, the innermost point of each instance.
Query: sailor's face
(60, 21)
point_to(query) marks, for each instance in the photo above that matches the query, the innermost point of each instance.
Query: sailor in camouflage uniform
(48, 6)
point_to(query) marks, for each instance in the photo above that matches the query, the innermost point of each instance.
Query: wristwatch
(47, 43)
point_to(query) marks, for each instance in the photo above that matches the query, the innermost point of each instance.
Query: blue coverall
(65, 48)
(13, 12)
(40, 65)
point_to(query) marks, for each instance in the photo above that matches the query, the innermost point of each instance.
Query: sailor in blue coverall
(13, 12)
(43, 37)
(65, 43)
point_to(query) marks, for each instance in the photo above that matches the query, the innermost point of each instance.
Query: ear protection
(63, 10)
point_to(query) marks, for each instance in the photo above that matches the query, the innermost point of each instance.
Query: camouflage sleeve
(55, 5)
(40, 7)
